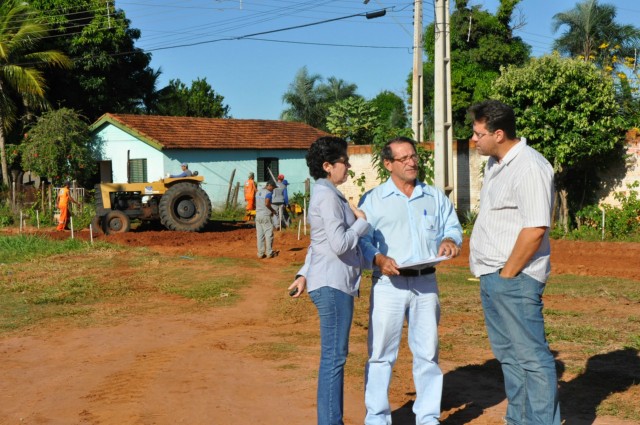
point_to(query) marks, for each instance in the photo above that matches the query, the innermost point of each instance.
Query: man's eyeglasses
(406, 158)
(481, 135)
(344, 161)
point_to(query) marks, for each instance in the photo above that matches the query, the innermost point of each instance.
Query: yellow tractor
(178, 203)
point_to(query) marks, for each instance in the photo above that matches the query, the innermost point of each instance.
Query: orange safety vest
(63, 197)
(249, 190)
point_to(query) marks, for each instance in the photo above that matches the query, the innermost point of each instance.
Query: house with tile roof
(141, 148)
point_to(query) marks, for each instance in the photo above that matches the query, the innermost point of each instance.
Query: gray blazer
(334, 258)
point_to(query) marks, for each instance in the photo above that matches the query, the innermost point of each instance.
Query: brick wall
(617, 179)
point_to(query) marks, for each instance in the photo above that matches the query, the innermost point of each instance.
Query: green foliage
(304, 100)
(621, 221)
(59, 146)
(481, 43)
(300, 198)
(588, 26)
(360, 181)
(6, 214)
(353, 119)
(229, 214)
(392, 112)
(22, 83)
(91, 31)
(565, 108)
(199, 100)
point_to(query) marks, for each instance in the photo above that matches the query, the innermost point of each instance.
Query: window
(264, 165)
(137, 170)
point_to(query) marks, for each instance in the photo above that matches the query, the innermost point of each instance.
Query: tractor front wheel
(116, 222)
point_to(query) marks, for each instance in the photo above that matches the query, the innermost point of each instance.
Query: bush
(621, 222)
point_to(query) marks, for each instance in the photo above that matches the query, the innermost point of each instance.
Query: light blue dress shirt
(407, 228)
(334, 258)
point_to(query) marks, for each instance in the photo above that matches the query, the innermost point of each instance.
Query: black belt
(414, 273)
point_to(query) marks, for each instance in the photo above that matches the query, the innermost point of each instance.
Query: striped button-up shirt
(516, 193)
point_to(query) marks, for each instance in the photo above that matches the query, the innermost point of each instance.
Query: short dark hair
(386, 153)
(325, 149)
(496, 116)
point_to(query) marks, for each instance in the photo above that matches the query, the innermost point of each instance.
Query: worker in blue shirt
(410, 221)
(186, 172)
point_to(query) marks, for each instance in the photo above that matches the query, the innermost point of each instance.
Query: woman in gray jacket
(331, 273)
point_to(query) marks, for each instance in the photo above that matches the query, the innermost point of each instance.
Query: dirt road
(202, 368)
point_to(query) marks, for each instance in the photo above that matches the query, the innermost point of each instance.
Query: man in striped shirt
(510, 254)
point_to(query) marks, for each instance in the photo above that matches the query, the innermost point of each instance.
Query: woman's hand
(358, 213)
(297, 287)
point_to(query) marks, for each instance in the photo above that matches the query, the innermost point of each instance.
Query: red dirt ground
(195, 369)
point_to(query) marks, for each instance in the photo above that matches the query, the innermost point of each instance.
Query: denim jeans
(264, 235)
(335, 309)
(515, 325)
(393, 299)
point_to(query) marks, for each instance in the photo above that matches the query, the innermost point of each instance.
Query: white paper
(421, 264)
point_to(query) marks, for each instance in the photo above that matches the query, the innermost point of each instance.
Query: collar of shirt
(326, 183)
(389, 188)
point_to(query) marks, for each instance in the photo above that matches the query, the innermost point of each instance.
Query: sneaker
(273, 254)
(262, 256)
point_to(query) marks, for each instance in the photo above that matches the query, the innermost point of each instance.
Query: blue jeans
(515, 325)
(393, 299)
(335, 309)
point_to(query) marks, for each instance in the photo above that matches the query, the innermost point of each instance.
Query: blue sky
(192, 39)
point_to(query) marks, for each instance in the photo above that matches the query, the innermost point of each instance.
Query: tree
(354, 119)
(391, 109)
(336, 89)
(481, 43)
(199, 100)
(22, 84)
(567, 110)
(309, 98)
(304, 100)
(111, 74)
(589, 26)
(59, 146)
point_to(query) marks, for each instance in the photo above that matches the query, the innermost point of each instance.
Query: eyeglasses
(344, 161)
(406, 158)
(481, 135)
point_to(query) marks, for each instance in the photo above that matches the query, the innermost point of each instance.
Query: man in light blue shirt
(410, 221)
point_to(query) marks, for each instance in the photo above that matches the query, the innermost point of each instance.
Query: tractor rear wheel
(185, 207)
(116, 222)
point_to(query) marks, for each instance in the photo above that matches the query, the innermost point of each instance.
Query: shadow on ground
(470, 390)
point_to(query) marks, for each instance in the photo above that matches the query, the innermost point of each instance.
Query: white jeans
(393, 299)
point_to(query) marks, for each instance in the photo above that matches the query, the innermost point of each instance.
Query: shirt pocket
(430, 224)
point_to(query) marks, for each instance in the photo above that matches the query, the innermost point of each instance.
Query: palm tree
(21, 83)
(337, 89)
(590, 28)
(305, 103)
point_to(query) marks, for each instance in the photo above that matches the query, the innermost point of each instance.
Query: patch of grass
(215, 291)
(82, 283)
(623, 406)
(229, 214)
(14, 249)
(274, 351)
(593, 286)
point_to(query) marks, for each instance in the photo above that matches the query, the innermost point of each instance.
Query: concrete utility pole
(417, 98)
(443, 165)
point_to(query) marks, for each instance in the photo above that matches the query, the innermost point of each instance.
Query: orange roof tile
(215, 133)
